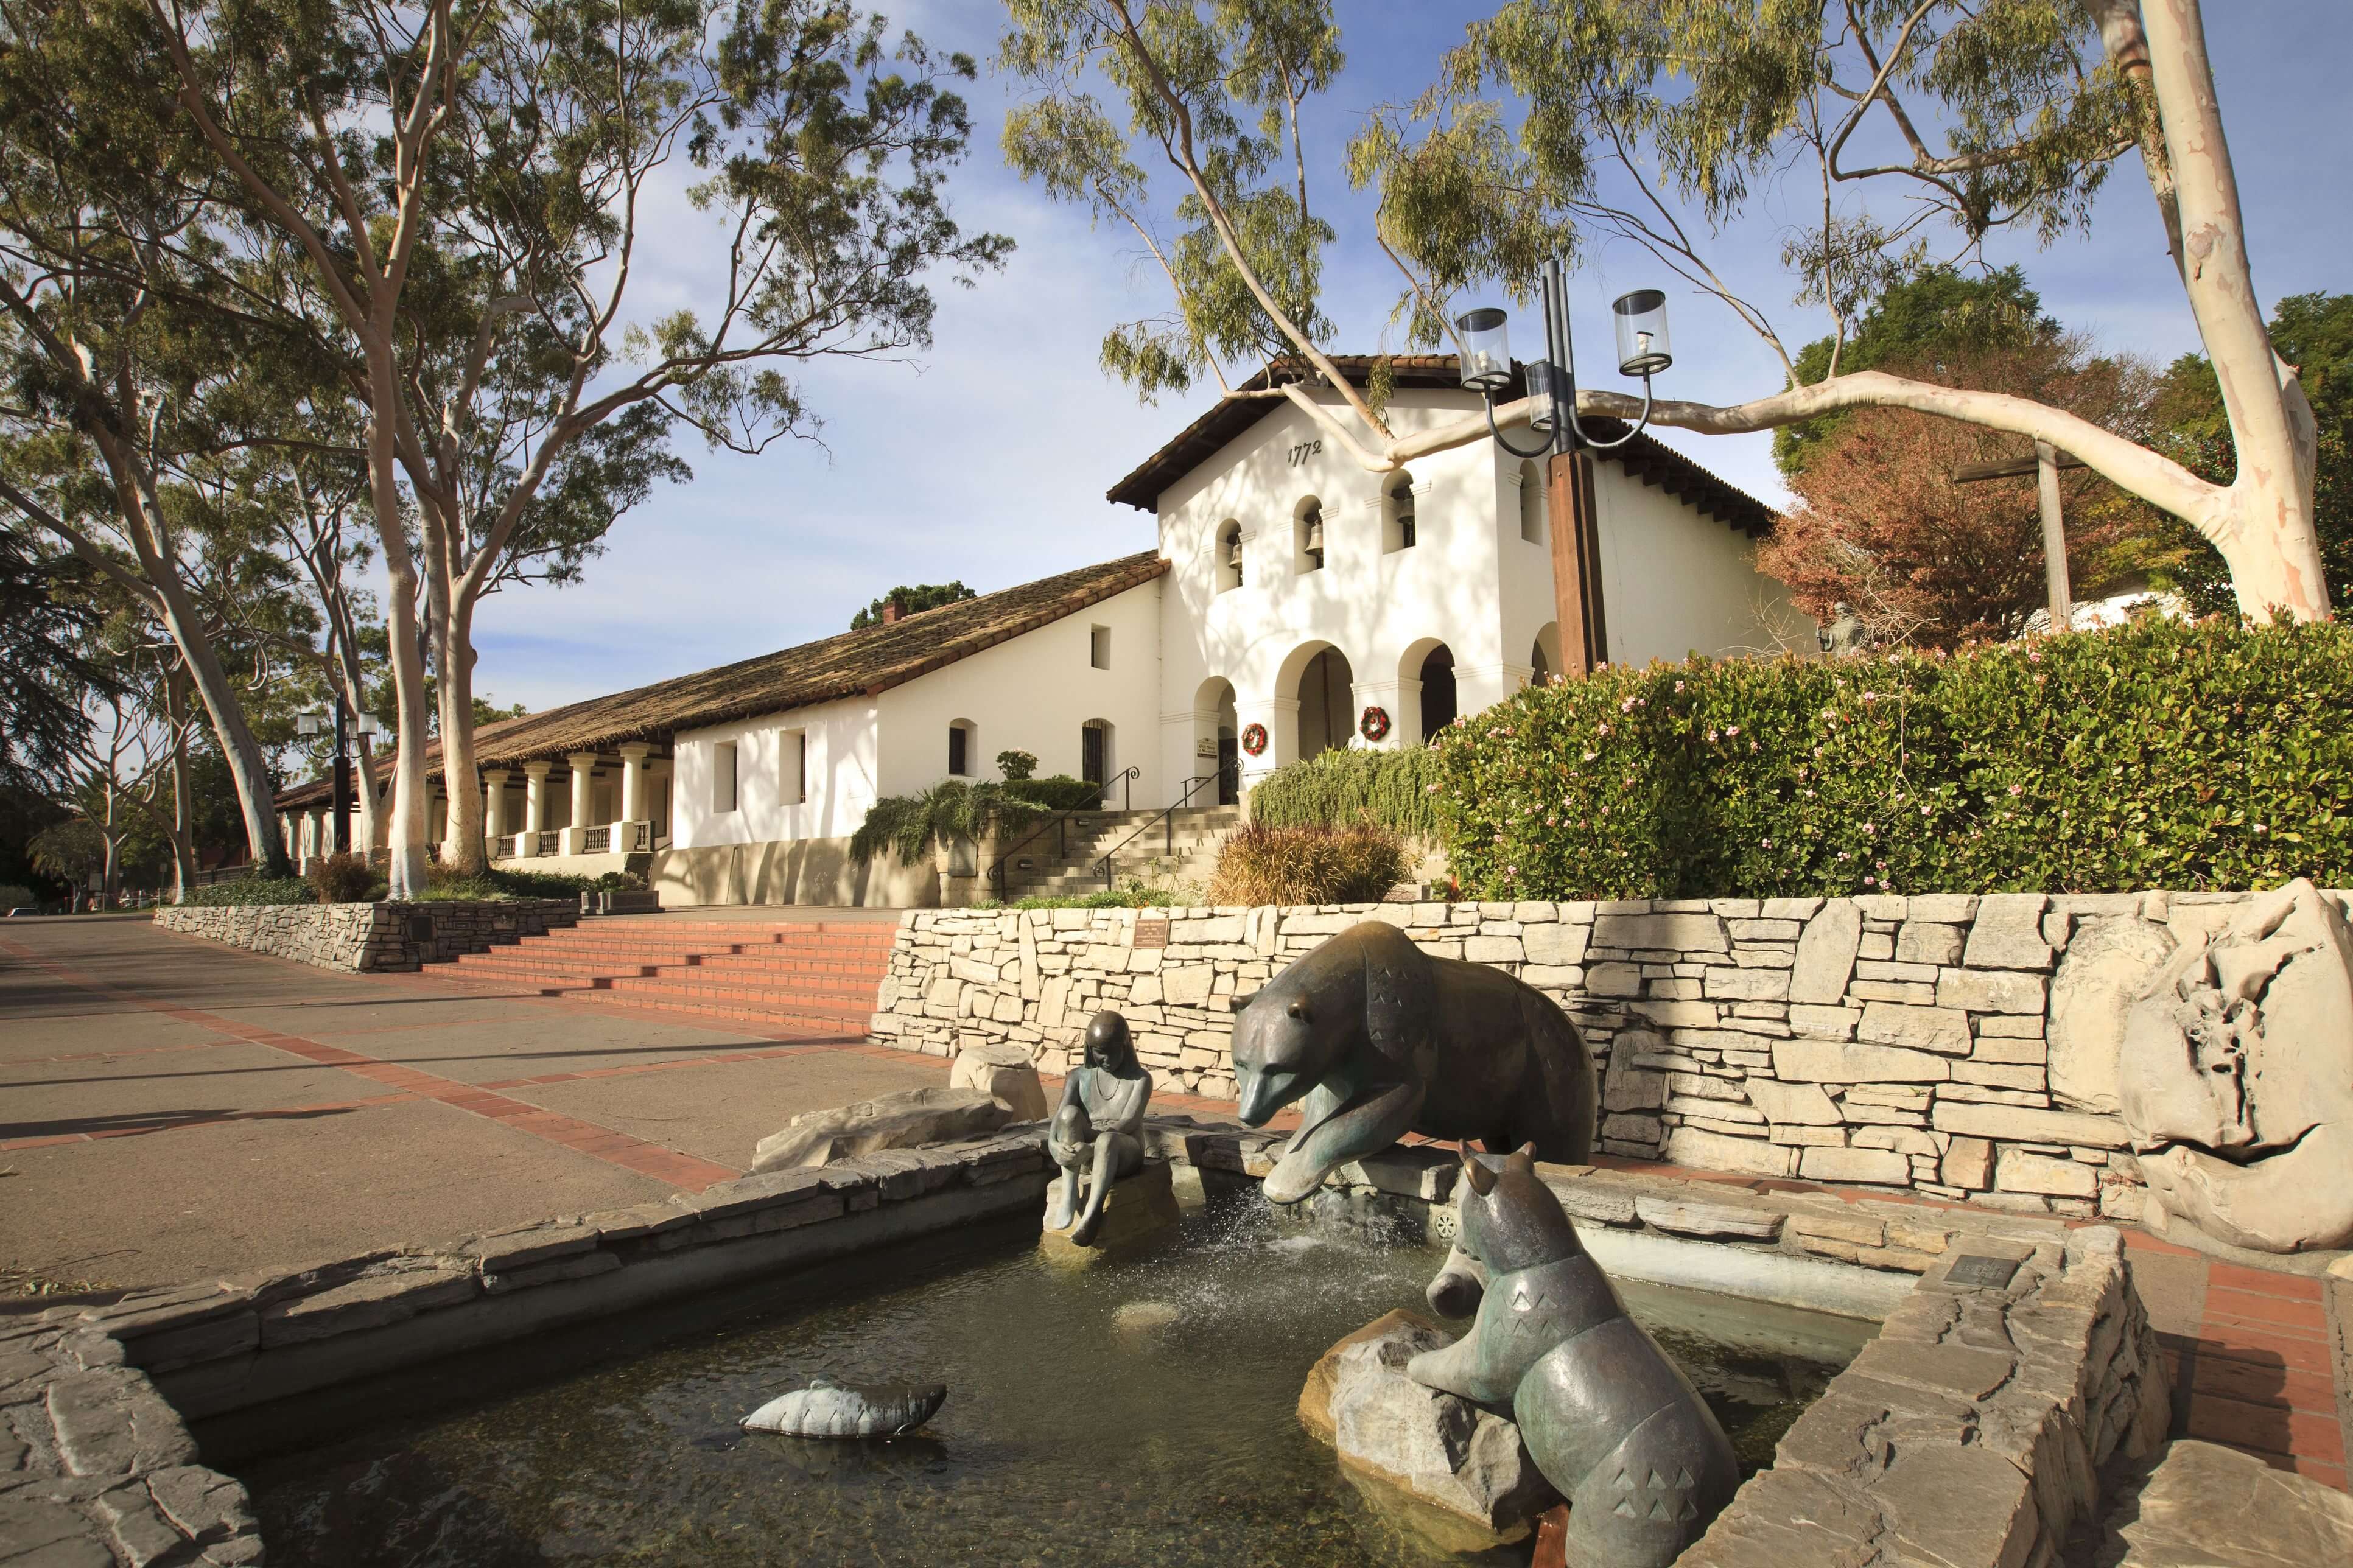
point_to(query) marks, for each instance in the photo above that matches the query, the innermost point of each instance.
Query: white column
(534, 807)
(1281, 717)
(1478, 686)
(494, 807)
(634, 805)
(318, 830)
(1402, 700)
(584, 801)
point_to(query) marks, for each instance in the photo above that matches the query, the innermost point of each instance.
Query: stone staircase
(1186, 846)
(813, 978)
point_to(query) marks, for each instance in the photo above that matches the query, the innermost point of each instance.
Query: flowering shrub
(2153, 755)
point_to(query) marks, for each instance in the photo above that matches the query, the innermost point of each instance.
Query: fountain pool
(1137, 1411)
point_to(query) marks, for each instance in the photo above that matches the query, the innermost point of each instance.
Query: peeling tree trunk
(453, 651)
(2267, 535)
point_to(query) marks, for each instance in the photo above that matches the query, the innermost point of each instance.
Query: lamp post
(320, 725)
(1642, 350)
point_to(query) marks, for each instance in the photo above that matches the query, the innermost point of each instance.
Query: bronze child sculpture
(1610, 1421)
(1098, 1130)
(1375, 1039)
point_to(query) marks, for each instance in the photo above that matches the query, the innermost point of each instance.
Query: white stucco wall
(1034, 693)
(1674, 582)
(1382, 609)
(843, 771)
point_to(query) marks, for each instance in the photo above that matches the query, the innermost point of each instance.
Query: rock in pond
(903, 1120)
(1445, 1451)
(1003, 1071)
(829, 1407)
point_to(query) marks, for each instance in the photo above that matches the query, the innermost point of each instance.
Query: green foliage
(911, 601)
(1016, 766)
(14, 896)
(1263, 865)
(246, 891)
(1221, 92)
(1131, 894)
(341, 879)
(911, 824)
(497, 884)
(1338, 788)
(1920, 321)
(1056, 792)
(2155, 755)
(2314, 334)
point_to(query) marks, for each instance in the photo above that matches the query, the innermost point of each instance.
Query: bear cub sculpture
(1608, 1418)
(1375, 1039)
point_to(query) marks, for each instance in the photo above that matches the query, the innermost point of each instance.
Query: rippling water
(1074, 1433)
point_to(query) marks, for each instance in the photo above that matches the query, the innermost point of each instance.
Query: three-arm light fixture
(1642, 350)
(334, 722)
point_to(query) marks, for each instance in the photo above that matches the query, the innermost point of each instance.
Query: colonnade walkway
(171, 1109)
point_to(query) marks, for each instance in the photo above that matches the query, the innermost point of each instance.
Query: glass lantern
(1486, 351)
(1641, 317)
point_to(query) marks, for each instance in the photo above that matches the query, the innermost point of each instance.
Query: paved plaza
(170, 1108)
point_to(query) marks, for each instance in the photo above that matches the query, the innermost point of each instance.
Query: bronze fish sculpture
(829, 1408)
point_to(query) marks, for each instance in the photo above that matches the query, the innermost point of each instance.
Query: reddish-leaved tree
(1880, 525)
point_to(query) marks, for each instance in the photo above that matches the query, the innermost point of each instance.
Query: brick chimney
(891, 611)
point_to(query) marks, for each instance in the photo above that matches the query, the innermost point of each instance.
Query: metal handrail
(1059, 821)
(1166, 820)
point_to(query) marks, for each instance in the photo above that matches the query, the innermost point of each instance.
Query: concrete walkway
(169, 1109)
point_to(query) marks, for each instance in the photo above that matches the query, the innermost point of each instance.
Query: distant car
(22, 910)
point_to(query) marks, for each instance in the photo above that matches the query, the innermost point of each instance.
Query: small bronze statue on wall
(1098, 1131)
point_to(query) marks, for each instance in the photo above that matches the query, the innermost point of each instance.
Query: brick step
(565, 966)
(765, 959)
(852, 996)
(703, 936)
(664, 952)
(812, 1018)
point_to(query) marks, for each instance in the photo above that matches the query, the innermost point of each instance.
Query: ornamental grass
(1344, 786)
(1308, 864)
(2157, 754)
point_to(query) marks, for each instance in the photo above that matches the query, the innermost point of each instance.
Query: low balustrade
(505, 850)
(550, 843)
(598, 841)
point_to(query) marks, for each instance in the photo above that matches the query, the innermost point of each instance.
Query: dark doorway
(1326, 711)
(1091, 753)
(1229, 771)
(1437, 692)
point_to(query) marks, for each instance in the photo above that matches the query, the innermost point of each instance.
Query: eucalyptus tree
(1658, 121)
(111, 354)
(457, 192)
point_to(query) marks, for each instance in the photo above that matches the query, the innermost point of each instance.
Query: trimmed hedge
(1056, 792)
(2157, 754)
(1343, 787)
(243, 890)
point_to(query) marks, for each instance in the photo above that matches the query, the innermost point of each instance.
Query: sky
(986, 457)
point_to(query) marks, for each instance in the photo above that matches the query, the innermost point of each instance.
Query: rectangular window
(958, 760)
(722, 776)
(1099, 648)
(792, 759)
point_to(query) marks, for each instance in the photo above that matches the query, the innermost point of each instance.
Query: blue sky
(987, 458)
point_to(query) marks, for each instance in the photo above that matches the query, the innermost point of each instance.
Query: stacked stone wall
(1897, 1041)
(370, 939)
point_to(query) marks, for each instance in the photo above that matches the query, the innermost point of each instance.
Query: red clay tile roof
(853, 664)
(1650, 461)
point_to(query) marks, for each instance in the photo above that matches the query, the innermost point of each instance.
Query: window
(1307, 537)
(1532, 503)
(722, 776)
(960, 748)
(1227, 565)
(792, 761)
(1099, 648)
(1396, 515)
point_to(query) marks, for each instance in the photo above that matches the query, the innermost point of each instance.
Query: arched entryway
(1327, 704)
(1544, 657)
(1098, 756)
(1215, 729)
(1437, 696)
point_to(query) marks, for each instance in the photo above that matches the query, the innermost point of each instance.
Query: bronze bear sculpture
(1608, 1418)
(1375, 1039)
